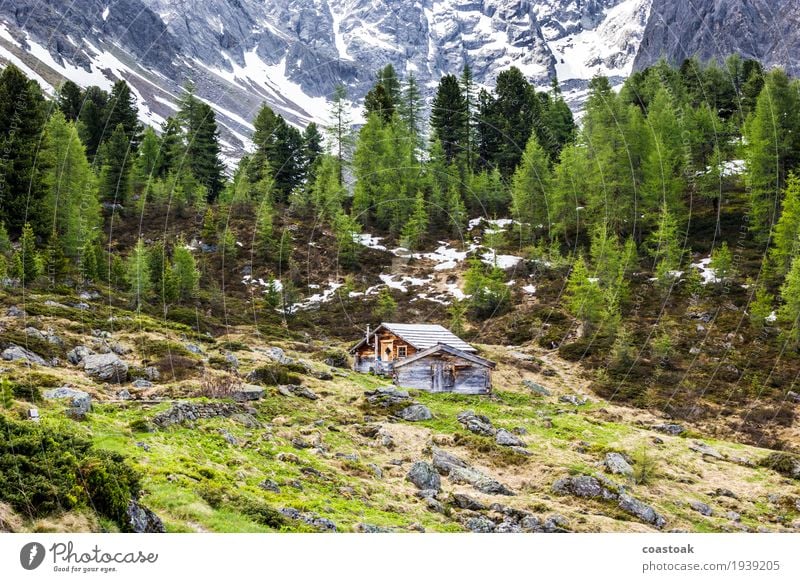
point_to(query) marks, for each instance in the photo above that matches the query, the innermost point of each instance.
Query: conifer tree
(417, 225)
(346, 230)
(93, 118)
(773, 147)
(115, 171)
(121, 110)
(22, 119)
(70, 100)
(786, 241)
(340, 130)
(449, 117)
(456, 212)
(202, 142)
(385, 305)
(185, 272)
(411, 106)
(789, 312)
(26, 259)
(71, 202)
(530, 189)
(584, 297)
(138, 274)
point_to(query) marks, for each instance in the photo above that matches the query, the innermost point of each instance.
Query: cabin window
(401, 351)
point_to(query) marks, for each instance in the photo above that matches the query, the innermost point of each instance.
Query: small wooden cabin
(426, 357)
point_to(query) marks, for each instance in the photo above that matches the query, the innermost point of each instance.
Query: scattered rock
(232, 361)
(15, 353)
(141, 384)
(424, 476)
(246, 420)
(466, 502)
(701, 508)
(386, 396)
(479, 524)
(15, 311)
(415, 413)
(270, 485)
(673, 429)
(723, 492)
(76, 355)
(378, 472)
(583, 486)
(303, 392)
(247, 393)
(229, 438)
(370, 528)
(434, 505)
(152, 374)
(507, 439)
(188, 412)
(573, 399)
(617, 465)
(312, 519)
(733, 516)
(80, 401)
(793, 397)
(124, 394)
(705, 450)
(300, 443)
(195, 349)
(477, 424)
(278, 355)
(458, 471)
(142, 520)
(106, 367)
(536, 388)
(641, 510)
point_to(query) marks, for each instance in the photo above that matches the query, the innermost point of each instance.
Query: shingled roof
(421, 336)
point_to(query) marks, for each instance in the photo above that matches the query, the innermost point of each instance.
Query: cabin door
(387, 350)
(442, 377)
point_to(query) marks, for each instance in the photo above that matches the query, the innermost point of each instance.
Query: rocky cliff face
(292, 53)
(767, 30)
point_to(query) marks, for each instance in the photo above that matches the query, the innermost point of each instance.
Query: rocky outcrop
(415, 413)
(80, 402)
(106, 367)
(765, 30)
(459, 471)
(15, 353)
(424, 476)
(142, 520)
(617, 464)
(475, 423)
(189, 412)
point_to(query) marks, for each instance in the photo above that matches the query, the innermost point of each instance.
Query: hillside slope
(325, 448)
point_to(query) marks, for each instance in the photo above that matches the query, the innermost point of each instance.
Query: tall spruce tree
(450, 117)
(22, 117)
(202, 142)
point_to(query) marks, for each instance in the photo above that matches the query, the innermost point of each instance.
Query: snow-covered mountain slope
(292, 53)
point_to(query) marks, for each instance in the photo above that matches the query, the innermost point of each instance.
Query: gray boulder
(616, 464)
(303, 392)
(247, 392)
(705, 450)
(77, 354)
(701, 508)
(573, 399)
(386, 396)
(141, 383)
(106, 367)
(445, 462)
(152, 374)
(278, 355)
(507, 439)
(466, 502)
(477, 424)
(536, 388)
(15, 353)
(15, 311)
(667, 428)
(424, 476)
(142, 520)
(415, 413)
(583, 486)
(641, 510)
(270, 485)
(80, 401)
(480, 524)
